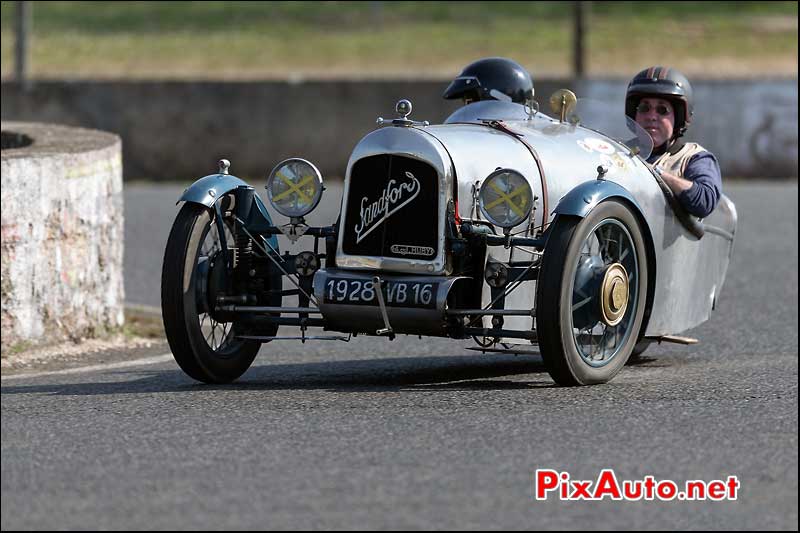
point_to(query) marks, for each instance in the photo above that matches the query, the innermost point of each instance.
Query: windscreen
(612, 122)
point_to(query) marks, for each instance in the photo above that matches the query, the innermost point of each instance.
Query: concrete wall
(751, 126)
(178, 130)
(62, 231)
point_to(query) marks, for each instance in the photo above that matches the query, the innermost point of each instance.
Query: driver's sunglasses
(661, 109)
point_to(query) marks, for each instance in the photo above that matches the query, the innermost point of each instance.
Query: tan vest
(676, 163)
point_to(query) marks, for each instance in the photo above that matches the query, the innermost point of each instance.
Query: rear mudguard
(209, 189)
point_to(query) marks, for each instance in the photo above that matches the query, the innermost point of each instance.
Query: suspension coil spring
(243, 255)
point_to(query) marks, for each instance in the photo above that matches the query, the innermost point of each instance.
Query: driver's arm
(676, 183)
(700, 190)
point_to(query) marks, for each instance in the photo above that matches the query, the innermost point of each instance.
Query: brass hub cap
(614, 294)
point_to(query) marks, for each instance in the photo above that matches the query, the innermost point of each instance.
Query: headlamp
(294, 187)
(505, 198)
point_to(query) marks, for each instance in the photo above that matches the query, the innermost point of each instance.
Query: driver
(492, 78)
(660, 100)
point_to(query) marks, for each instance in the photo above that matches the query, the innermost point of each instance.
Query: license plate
(395, 293)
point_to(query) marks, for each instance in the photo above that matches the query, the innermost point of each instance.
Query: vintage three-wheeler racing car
(520, 230)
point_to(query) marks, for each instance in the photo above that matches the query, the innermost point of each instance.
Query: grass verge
(276, 40)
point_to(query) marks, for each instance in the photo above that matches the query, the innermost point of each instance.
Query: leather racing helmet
(666, 83)
(485, 78)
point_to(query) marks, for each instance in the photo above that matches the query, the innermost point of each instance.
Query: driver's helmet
(492, 78)
(666, 83)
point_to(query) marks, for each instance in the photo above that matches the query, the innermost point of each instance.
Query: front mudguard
(583, 198)
(211, 188)
(586, 196)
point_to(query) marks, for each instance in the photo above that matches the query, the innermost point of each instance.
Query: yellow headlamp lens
(294, 187)
(505, 198)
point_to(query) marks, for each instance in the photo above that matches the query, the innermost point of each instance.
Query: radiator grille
(392, 209)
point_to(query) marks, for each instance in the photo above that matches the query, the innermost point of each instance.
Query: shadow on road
(381, 375)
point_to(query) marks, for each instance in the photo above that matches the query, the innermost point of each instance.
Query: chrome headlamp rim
(528, 192)
(316, 178)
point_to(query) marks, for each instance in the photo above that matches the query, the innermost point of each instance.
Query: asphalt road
(420, 434)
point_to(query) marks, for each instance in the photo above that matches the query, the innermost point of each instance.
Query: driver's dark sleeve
(702, 197)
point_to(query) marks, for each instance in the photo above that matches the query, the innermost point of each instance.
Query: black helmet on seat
(666, 83)
(492, 78)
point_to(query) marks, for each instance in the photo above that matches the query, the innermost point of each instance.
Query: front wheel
(205, 348)
(591, 294)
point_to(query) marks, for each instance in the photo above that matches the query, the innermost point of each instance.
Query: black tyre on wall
(591, 294)
(205, 348)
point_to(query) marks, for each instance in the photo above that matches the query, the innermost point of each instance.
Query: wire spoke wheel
(194, 270)
(602, 309)
(591, 296)
(217, 335)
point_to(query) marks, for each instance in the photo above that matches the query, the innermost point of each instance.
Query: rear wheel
(591, 295)
(205, 347)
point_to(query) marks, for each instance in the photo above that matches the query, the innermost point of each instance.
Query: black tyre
(206, 349)
(591, 294)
